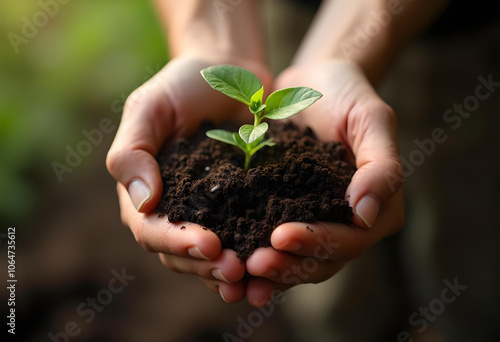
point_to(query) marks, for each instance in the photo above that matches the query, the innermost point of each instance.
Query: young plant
(242, 85)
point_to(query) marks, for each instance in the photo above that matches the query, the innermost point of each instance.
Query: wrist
(204, 28)
(358, 32)
(368, 33)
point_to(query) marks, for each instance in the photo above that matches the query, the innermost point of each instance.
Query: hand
(350, 112)
(170, 105)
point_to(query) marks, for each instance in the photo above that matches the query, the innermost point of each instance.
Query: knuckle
(383, 111)
(393, 170)
(111, 161)
(114, 160)
(375, 110)
(134, 99)
(140, 237)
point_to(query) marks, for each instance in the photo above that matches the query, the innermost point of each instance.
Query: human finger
(225, 267)
(158, 235)
(131, 159)
(286, 268)
(372, 136)
(335, 241)
(230, 293)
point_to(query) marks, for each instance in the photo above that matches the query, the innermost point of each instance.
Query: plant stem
(247, 161)
(256, 120)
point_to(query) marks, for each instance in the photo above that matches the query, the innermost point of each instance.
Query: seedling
(242, 85)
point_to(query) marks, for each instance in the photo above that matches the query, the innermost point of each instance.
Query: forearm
(211, 28)
(367, 32)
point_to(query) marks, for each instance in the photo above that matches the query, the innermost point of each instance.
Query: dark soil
(301, 179)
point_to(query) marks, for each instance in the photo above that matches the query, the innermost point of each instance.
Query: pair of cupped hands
(174, 102)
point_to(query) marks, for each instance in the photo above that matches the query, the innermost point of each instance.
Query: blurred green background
(75, 70)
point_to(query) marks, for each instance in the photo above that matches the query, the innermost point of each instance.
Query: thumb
(145, 125)
(373, 138)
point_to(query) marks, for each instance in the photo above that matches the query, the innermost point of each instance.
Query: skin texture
(168, 106)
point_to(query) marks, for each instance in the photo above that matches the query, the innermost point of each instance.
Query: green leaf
(235, 82)
(240, 143)
(222, 135)
(257, 110)
(287, 102)
(256, 106)
(255, 143)
(257, 97)
(250, 133)
(268, 142)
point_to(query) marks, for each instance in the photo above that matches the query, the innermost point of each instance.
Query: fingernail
(196, 253)
(367, 209)
(139, 193)
(219, 276)
(222, 295)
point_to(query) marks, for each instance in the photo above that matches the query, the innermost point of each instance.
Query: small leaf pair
(242, 85)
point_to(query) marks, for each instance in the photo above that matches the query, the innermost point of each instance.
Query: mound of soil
(301, 179)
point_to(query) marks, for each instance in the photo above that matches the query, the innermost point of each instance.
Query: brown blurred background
(76, 70)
